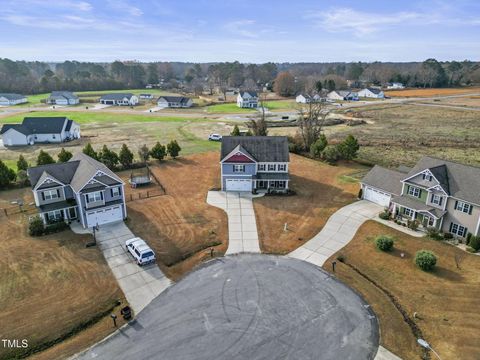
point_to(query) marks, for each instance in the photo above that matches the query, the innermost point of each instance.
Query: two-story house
(81, 189)
(251, 163)
(436, 193)
(247, 99)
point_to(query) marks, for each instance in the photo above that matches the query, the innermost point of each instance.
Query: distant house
(374, 93)
(63, 98)
(303, 99)
(342, 95)
(81, 189)
(40, 130)
(174, 102)
(145, 96)
(12, 99)
(395, 86)
(119, 99)
(254, 163)
(247, 99)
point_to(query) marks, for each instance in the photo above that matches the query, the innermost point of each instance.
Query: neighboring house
(342, 95)
(63, 98)
(395, 86)
(40, 130)
(174, 102)
(371, 93)
(82, 189)
(436, 193)
(247, 99)
(119, 99)
(303, 99)
(254, 163)
(12, 99)
(145, 96)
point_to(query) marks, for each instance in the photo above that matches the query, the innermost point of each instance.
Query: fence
(16, 210)
(144, 195)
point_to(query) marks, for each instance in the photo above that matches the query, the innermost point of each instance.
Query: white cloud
(242, 28)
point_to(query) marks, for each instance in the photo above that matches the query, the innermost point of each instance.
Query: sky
(251, 31)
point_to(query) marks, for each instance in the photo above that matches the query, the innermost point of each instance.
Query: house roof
(179, 99)
(116, 96)
(10, 96)
(69, 125)
(45, 125)
(250, 92)
(384, 179)
(64, 94)
(262, 148)
(374, 90)
(77, 172)
(458, 180)
(418, 206)
(18, 127)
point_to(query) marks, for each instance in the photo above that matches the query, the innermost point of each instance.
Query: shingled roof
(385, 179)
(179, 99)
(38, 125)
(116, 96)
(10, 96)
(262, 148)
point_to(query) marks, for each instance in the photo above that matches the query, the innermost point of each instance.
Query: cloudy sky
(244, 30)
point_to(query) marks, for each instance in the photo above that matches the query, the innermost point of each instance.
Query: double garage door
(377, 196)
(238, 185)
(104, 216)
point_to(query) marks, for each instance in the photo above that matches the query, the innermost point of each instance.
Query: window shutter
(111, 192)
(119, 191)
(101, 195)
(431, 199)
(58, 192)
(87, 199)
(470, 209)
(440, 202)
(43, 195)
(450, 229)
(456, 204)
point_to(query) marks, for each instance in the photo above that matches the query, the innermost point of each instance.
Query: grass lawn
(180, 226)
(445, 299)
(320, 191)
(228, 108)
(280, 105)
(50, 285)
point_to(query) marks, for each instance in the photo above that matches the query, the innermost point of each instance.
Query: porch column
(44, 218)
(286, 184)
(65, 214)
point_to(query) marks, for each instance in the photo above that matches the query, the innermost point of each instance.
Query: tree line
(287, 78)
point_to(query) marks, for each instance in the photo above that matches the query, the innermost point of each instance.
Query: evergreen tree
(44, 158)
(158, 151)
(235, 131)
(64, 156)
(318, 146)
(22, 164)
(88, 150)
(349, 148)
(7, 175)
(144, 153)
(125, 156)
(108, 157)
(173, 148)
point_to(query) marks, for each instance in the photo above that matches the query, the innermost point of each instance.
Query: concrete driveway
(242, 226)
(139, 284)
(337, 232)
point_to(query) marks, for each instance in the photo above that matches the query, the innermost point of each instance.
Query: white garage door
(104, 216)
(239, 185)
(378, 197)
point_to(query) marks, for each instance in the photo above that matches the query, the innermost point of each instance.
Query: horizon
(213, 31)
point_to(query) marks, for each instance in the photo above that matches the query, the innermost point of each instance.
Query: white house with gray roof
(247, 99)
(12, 99)
(174, 102)
(82, 190)
(119, 99)
(437, 193)
(374, 93)
(63, 98)
(342, 95)
(35, 130)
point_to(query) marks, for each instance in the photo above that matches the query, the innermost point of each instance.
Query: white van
(139, 249)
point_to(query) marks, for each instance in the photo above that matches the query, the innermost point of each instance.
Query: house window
(54, 215)
(458, 229)
(94, 196)
(282, 167)
(463, 207)
(413, 191)
(278, 184)
(428, 220)
(271, 167)
(50, 194)
(427, 177)
(53, 136)
(261, 167)
(408, 212)
(436, 199)
(238, 168)
(115, 191)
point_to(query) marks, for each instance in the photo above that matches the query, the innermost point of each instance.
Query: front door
(428, 221)
(72, 213)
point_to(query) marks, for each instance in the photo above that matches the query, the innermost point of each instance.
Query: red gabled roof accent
(238, 158)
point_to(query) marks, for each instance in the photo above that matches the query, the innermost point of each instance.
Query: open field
(320, 189)
(431, 92)
(49, 285)
(445, 300)
(228, 108)
(180, 226)
(466, 101)
(279, 105)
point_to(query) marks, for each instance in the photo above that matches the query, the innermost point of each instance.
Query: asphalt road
(249, 307)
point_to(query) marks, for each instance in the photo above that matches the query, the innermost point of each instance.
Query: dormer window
(427, 177)
(413, 191)
(436, 199)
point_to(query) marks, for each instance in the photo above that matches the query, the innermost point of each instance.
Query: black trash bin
(126, 312)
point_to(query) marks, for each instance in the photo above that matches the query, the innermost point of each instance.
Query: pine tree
(125, 156)
(44, 158)
(173, 148)
(7, 175)
(318, 146)
(348, 148)
(158, 151)
(22, 164)
(88, 150)
(108, 157)
(235, 131)
(64, 156)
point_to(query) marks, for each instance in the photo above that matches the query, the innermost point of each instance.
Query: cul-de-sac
(209, 180)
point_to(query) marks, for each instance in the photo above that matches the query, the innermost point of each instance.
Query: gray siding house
(257, 163)
(40, 130)
(12, 99)
(119, 99)
(63, 98)
(437, 193)
(174, 102)
(82, 190)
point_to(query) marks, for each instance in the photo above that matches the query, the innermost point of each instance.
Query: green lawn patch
(228, 108)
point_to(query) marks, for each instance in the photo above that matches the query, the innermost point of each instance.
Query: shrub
(433, 233)
(173, 148)
(384, 243)
(55, 227)
(475, 242)
(471, 250)
(64, 155)
(413, 225)
(469, 236)
(158, 151)
(318, 146)
(36, 227)
(385, 215)
(44, 158)
(447, 236)
(331, 154)
(425, 260)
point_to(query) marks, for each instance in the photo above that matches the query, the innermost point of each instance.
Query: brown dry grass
(181, 223)
(320, 190)
(431, 92)
(50, 285)
(446, 299)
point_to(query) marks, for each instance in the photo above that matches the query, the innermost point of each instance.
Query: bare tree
(258, 124)
(310, 122)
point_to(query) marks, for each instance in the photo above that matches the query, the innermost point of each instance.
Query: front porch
(66, 211)
(418, 218)
(271, 184)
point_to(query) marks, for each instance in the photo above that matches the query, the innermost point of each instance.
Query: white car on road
(139, 249)
(215, 137)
